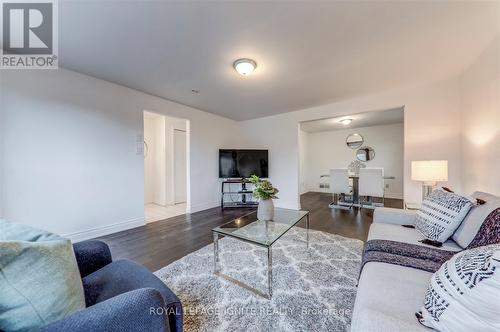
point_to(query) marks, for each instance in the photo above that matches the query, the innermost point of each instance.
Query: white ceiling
(367, 119)
(308, 53)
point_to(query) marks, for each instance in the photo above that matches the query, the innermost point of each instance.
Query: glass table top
(264, 233)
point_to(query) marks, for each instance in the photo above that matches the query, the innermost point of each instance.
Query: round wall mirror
(354, 141)
(365, 153)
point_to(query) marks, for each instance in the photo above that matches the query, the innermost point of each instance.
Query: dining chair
(339, 185)
(371, 184)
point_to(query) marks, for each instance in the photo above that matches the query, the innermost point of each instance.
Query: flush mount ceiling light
(244, 66)
(346, 122)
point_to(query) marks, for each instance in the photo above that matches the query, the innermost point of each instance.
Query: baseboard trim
(393, 195)
(104, 230)
(204, 206)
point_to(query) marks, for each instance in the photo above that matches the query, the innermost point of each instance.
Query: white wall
(326, 150)
(149, 160)
(432, 131)
(480, 106)
(70, 162)
(303, 140)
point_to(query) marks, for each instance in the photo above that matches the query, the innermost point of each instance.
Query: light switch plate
(139, 144)
(139, 148)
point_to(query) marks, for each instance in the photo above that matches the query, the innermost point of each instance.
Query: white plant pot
(265, 210)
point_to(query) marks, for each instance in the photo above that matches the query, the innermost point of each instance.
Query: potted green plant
(264, 192)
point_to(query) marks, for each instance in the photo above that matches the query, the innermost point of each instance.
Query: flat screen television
(243, 163)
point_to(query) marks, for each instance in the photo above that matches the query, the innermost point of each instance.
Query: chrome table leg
(270, 272)
(216, 252)
(307, 230)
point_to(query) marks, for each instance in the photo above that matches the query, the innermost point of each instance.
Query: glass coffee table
(262, 233)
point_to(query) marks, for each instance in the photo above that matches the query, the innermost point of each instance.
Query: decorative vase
(265, 210)
(354, 167)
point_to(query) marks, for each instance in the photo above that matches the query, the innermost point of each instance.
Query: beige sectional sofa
(389, 295)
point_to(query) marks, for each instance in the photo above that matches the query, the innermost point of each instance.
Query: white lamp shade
(430, 171)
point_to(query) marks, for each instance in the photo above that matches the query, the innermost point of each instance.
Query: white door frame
(175, 170)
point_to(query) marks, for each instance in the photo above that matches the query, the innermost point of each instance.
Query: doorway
(333, 152)
(165, 166)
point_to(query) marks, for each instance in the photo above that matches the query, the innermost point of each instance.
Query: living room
(248, 76)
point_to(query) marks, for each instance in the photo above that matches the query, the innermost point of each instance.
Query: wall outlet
(386, 186)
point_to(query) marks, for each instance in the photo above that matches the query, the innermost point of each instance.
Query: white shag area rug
(313, 289)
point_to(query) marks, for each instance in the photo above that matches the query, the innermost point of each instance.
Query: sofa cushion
(123, 276)
(128, 312)
(468, 229)
(464, 293)
(394, 216)
(387, 298)
(381, 231)
(441, 214)
(39, 278)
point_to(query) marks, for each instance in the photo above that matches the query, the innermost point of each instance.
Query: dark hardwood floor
(158, 244)
(352, 223)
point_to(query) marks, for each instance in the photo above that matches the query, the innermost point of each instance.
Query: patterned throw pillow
(489, 233)
(464, 293)
(469, 228)
(441, 214)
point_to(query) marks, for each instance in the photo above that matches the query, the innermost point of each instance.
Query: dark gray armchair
(120, 296)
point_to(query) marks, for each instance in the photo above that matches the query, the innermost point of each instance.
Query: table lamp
(429, 172)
